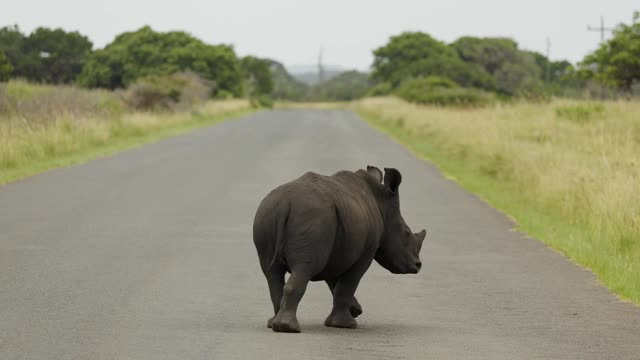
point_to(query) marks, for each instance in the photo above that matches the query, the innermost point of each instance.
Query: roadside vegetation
(555, 149)
(61, 102)
(567, 171)
(43, 126)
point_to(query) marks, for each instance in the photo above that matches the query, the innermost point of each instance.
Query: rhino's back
(344, 196)
(343, 191)
(337, 213)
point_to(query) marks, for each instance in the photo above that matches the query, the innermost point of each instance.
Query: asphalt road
(147, 254)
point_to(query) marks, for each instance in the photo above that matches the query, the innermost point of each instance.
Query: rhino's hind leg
(343, 295)
(275, 279)
(286, 319)
(355, 309)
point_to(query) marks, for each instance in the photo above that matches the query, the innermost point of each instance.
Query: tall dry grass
(575, 161)
(30, 103)
(40, 125)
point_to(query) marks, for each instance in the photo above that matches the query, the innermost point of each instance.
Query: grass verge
(29, 149)
(572, 184)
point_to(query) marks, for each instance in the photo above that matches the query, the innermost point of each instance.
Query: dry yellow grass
(571, 161)
(30, 143)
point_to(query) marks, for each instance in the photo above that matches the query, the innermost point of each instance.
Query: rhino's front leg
(355, 308)
(343, 295)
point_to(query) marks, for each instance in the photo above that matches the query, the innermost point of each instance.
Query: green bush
(224, 95)
(5, 67)
(580, 112)
(381, 89)
(262, 100)
(168, 92)
(442, 91)
(434, 82)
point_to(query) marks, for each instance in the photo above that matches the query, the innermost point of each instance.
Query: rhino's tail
(280, 234)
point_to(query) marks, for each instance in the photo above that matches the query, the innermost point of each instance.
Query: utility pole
(601, 29)
(548, 70)
(320, 67)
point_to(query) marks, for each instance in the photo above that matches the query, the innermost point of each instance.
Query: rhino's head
(399, 250)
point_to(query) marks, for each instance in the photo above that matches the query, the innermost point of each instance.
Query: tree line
(58, 57)
(410, 64)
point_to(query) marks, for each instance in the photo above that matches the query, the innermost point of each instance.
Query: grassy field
(42, 127)
(568, 172)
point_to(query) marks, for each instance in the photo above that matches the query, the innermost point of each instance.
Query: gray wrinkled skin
(331, 228)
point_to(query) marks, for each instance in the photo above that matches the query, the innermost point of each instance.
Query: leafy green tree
(416, 54)
(617, 61)
(258, 75)
(54, 55)
(11, 43)
(515, 72)
(45, 55)
(5, 67)
(519, 78)
(490, 53)
(145, 52)
(551, 71)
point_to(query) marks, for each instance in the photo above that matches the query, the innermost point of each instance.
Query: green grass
(586, 220)
(45, 148)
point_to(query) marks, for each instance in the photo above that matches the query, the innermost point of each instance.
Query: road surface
(147, 254)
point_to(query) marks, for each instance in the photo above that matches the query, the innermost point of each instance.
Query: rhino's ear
(420, 237)
(375, 172)
(392, 178)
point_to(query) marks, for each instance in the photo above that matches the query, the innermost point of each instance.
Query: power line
(601, 29)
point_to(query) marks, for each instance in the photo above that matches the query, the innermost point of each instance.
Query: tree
(258, 75)
(515, 71)
(5, 67)
(557, 70)
(617, 61)
(46, 55)
(145, 52)
(415, 54)
(11, 42)
(54, 56)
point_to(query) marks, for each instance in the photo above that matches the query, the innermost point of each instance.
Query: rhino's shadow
(371, 328)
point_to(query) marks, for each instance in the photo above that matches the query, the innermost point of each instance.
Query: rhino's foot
(287, 324)
(270, 322)
(355, 309)
(341, 319)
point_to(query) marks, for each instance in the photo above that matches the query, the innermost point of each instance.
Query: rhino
(331, 228)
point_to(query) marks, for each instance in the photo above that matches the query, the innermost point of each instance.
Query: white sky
(293, 31)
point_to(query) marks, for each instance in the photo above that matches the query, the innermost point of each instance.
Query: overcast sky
(293, 31)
